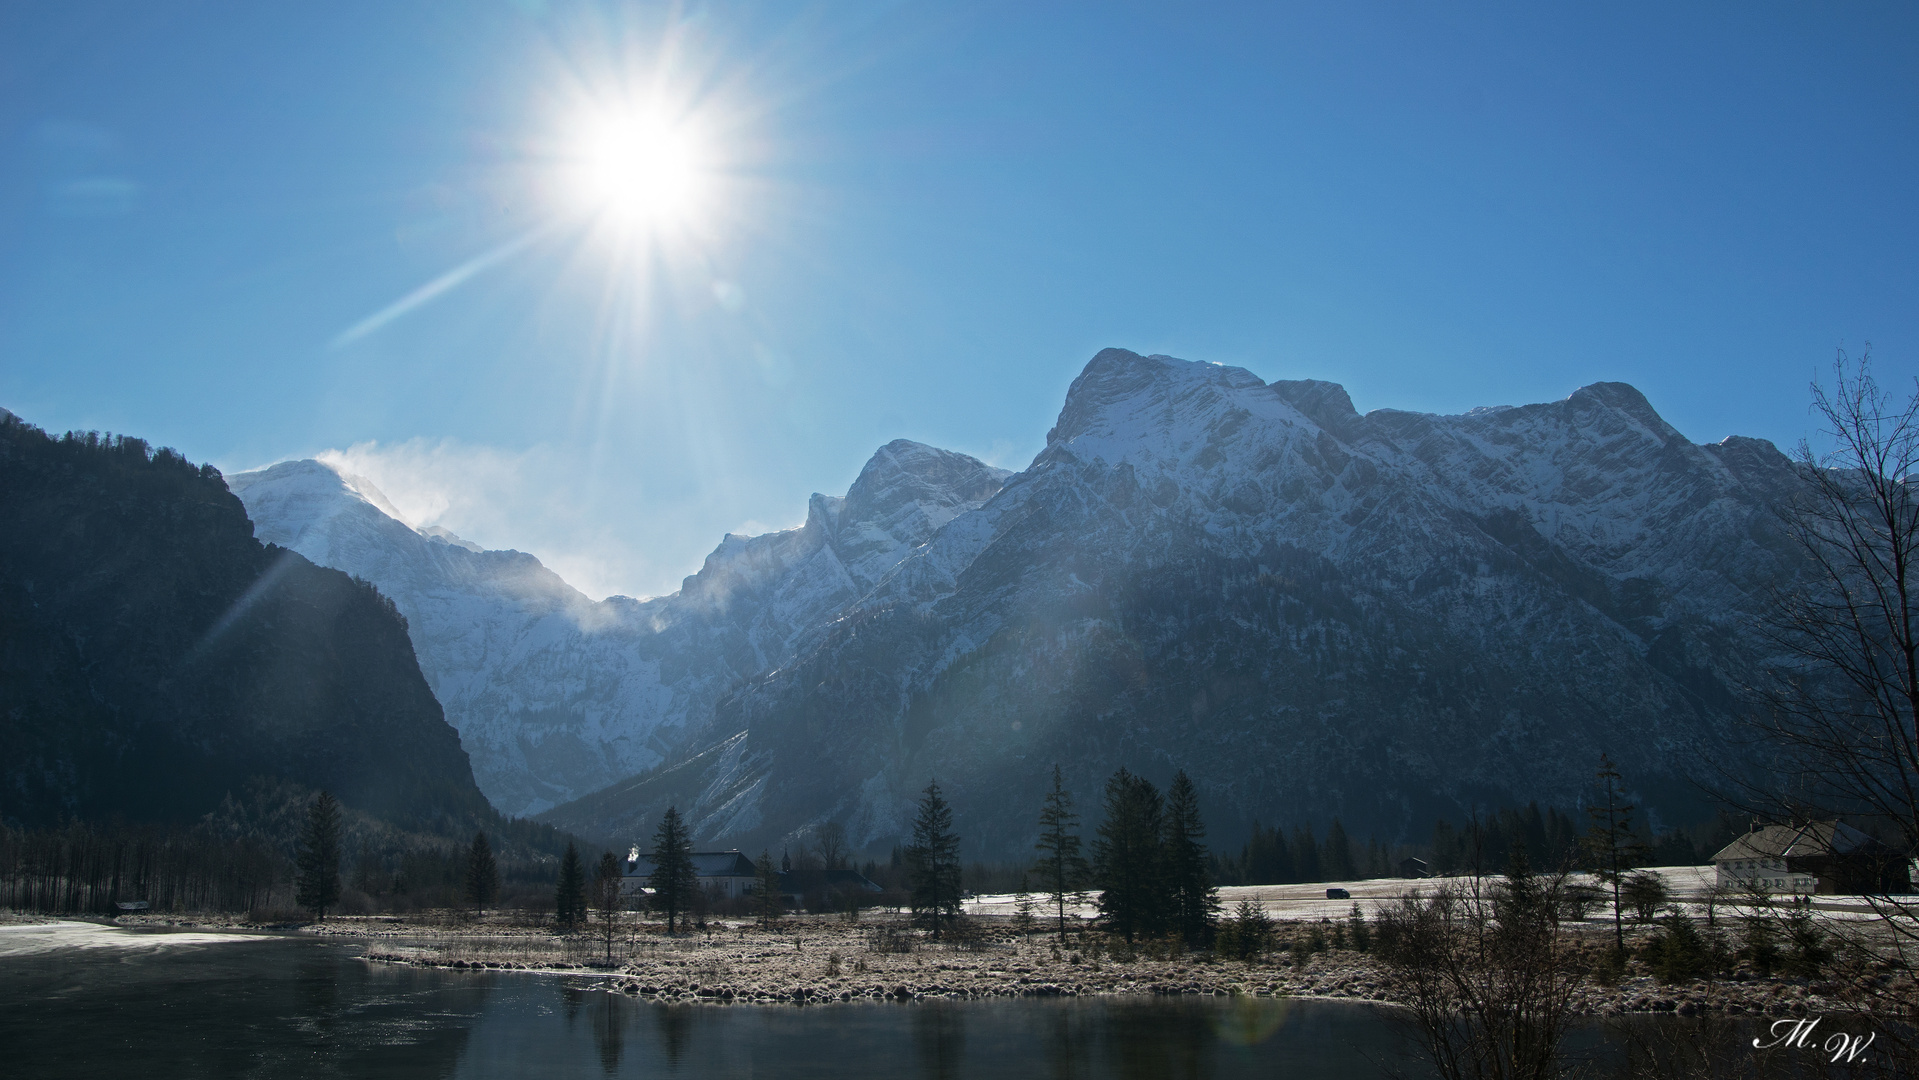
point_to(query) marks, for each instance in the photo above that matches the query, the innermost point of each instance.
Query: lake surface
(89, 1001)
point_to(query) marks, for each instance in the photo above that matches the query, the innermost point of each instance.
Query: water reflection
(571, 998)
(939, 1034)
(609, 1032)
(1152, 1041)
(676, 1030)
(1069, 1045)
(300, 1008)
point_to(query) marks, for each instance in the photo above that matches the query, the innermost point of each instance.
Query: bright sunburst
(636, 166)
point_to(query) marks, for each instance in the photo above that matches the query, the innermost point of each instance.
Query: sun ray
(440, 286)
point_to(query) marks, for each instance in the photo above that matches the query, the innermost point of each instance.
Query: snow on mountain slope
(1312, 611)
(556, 695)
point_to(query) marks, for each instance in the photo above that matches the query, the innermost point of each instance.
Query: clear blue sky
(917, 221)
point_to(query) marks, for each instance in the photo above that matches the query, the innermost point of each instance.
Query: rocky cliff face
(155, 657)
(556, 695)
(1313, 612)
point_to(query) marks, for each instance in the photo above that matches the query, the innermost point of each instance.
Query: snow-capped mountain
(556, 695)
(1313, 612)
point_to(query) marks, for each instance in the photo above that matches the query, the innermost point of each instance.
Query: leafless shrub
(1485, 976)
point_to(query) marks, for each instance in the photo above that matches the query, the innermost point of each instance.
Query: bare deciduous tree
(830, 843)
(1841, 711)
(607, 880)
(1485, 974)
(1845, 708)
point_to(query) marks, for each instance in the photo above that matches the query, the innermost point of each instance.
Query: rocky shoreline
(816, 960)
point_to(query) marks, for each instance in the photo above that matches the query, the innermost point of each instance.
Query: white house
(728, 873)
(1816, 857)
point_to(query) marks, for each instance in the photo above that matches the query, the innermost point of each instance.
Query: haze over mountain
(1314, 612)
(155, 658)
(556, 695)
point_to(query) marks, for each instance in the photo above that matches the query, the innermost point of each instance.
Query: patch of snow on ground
(50, 937)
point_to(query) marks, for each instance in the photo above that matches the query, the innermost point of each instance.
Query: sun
(636, 167)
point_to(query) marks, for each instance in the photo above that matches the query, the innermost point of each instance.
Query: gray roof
(1814, 840)
(706, 864)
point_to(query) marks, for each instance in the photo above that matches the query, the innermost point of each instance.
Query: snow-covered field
(1689, 885)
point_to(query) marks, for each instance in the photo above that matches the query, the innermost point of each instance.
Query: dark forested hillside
(155, 657)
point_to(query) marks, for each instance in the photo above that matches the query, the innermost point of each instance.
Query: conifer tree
(1611, 848)
(1265, 857)
(482, 874)
(1337, 864)
(932, 864)
(1126, 857)
(569, 897)
(673, 879)
(1305, 853)
(1023, 908)
(317, 886)
(1192, 901)
(1061, 869)
(766, 885)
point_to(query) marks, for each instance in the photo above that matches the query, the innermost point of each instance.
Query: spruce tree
(482, 874)
(569, 898)
(1305, 853)
(1061, 868)
(1338, 861)
(767, 885)
(1265, 859)
(1191, 900)
(1126, 858)
(317, 886)
(932, 864)
(1610, 846)
(673, 879)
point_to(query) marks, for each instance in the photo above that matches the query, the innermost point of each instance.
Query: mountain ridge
(556, 695)
(1559, 554)
(159, 660)
(1296, 602)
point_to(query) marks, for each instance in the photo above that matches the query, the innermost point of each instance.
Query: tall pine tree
(569, 897)
(673, 879)
(766, 887)
(482, 874)
(1611, 848)
(317, 886)
(1126, 858)
(1191, 900)
(1061, 868)
(932, 864)
(1305, 853)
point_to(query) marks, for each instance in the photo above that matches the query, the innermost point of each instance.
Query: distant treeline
(241, 859)
(86, 869)
(1549, 838)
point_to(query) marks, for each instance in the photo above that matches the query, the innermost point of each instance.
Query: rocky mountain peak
(1120, 391)
(1624, 398)
(1324, 403)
